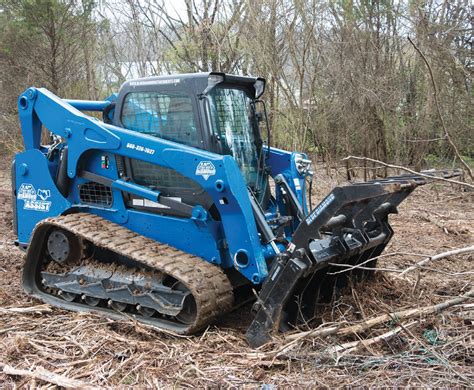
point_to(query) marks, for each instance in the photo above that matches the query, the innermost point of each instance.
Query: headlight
(303, 165)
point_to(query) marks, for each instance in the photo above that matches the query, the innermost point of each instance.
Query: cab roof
(228, 78)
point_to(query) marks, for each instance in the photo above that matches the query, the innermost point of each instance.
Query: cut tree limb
(439, 256)
(31, 309)
(408, 170)
(355, 345)
(47, 376)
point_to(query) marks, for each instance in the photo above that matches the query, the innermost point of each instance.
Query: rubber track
(208, 284)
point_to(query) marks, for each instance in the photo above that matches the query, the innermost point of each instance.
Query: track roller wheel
(146, 311)
(91, 301)
(67, 296)
(119, 306)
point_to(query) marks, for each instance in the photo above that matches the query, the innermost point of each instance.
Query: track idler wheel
(64, 247)
(189, 311)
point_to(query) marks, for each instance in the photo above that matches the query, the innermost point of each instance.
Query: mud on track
(438, 350)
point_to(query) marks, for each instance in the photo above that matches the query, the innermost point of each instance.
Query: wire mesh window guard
(162, 178)
(167, 115)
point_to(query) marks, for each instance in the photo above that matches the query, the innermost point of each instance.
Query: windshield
(234, 122)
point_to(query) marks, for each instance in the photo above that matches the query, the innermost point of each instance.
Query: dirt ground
(432, 350)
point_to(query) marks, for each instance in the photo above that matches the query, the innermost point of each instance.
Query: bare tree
(341, 76)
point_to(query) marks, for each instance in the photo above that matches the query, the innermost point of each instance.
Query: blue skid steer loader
(172, 207)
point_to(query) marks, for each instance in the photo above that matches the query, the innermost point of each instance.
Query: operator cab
(211, 111)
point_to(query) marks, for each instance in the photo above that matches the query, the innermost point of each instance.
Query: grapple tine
(272, 298)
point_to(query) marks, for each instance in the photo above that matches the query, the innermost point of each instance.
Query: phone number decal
(140, 148)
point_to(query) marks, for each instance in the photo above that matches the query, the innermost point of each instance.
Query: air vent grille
(95, 194)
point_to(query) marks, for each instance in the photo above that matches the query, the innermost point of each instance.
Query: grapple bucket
(350, 226)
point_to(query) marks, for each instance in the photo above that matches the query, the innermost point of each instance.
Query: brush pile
(401, 328)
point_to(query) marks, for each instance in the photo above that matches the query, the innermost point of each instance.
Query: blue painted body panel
(37, 196)
(89, 140)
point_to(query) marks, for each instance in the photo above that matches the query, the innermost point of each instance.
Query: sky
(174, 7)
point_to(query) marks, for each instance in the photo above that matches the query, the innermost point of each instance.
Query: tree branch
(47, 376)
(353, 346)
(338, 330)
(435, 91)
(408, 170)
(439, 256)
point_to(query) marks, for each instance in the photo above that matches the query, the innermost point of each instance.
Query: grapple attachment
(350, 226)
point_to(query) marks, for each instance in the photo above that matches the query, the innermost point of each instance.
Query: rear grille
(96, 194)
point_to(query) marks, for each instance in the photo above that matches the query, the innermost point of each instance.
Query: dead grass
(437, 350)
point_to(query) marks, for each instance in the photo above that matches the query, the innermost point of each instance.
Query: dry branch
(408, 170)
(32, 309)
(438, 109)
(338, 330)
(355, 345)
(439, 256)
(47, 376)
(350, 267)
(370, 323)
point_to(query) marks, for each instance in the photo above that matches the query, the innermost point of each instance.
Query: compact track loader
(172, 208)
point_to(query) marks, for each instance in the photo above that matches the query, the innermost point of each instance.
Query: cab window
(167, 115)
